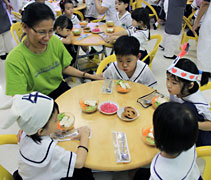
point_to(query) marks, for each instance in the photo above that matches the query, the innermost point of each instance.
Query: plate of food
(158, 100)
(110, 30)
(122, 86)
(65, 121)
(108, 107)
(88, 106)
(128, 113)
(147, 136)
(96, 30)
(76, 32)
(87, 29)
(83, 24)
(110, 23)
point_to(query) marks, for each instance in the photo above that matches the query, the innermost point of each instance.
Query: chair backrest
(7, 139)
(17, 16)
(204, 152)
(187, 22)
(99, 20)
(79, 13)
(206, 87)
(17, 32)
(152, 54)
(138, 4)
(105, 62)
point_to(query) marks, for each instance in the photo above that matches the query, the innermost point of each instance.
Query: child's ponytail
(205, 78)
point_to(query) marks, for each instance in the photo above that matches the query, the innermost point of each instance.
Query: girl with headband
(182, 84)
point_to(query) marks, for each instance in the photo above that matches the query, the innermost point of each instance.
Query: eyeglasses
(43, 33)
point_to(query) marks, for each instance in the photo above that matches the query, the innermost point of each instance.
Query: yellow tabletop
(94, 39)
(101, 149)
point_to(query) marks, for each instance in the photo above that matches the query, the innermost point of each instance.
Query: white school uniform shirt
(91, 10)
(142, 74)
(111, 11)
(125, 20)
(183, 167)
(75, 20)
(141, 35)
(199, 102)
(45, 160)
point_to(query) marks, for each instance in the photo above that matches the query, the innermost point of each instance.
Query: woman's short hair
(175, 127)
(36, 12)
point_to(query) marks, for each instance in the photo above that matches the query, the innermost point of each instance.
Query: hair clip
(200, 72)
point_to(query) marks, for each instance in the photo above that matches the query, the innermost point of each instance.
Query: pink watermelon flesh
(108, 108)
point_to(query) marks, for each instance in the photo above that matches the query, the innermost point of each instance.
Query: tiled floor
(8, 153)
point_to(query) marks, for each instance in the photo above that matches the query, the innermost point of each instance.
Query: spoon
(124, 155)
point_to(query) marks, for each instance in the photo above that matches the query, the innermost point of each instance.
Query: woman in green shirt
(37, 63)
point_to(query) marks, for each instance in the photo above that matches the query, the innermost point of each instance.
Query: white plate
(111, 102)
(121, 110)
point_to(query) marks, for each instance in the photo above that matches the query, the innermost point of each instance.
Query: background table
(101, 149)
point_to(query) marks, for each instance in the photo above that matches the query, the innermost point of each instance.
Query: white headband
(179, 72)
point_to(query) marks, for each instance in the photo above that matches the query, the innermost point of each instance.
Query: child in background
(40, 156)
(62, 28)
(67, 7)
(122, 7)
(182, 85)
(91, 11)
(127, 66)
(140, 30)
(107, 7)
(175, 133)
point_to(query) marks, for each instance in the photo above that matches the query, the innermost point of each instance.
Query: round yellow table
(94, 39)
(101, 149)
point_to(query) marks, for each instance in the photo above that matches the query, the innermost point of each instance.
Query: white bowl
(111, 102)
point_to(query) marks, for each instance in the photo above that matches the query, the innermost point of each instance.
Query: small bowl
(110, 30)
(147, 140)
(87, 105)
(110, 23)
(76, 32)
(106, 106)
(65, 123)
(83, 24)
(96, 30)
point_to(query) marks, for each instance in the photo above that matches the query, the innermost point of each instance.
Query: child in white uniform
(40, 157)
(67, 7)
(91, 11)
(107, 7)
(140, 30)
(128, 66)
(182, 77)
(175, 133)
(124, 17)
(62, 28)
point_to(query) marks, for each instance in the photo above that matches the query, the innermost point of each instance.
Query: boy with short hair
(122, 7)
(128, 67)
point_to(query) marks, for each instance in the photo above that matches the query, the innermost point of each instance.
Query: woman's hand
(9, 6)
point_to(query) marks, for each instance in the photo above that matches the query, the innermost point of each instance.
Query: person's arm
(203, 8)
(205, 125)
(9, 6)
(67, 40)
(69, 70)
(100, 9)
(82, 150)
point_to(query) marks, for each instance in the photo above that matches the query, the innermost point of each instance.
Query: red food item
(108, 108)
(96, 30)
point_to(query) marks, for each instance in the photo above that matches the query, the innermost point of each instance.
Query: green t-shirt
(27, 71)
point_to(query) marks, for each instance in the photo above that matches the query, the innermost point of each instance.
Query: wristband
(83, 148)
(83, 76)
